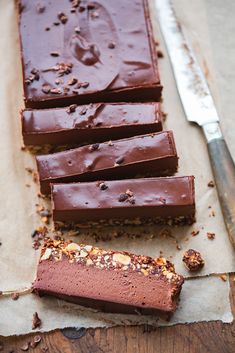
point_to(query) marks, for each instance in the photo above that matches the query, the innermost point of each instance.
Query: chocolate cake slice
(77, 125)
(145, 155)
(111, 281)
(87, 51)
(168, 200)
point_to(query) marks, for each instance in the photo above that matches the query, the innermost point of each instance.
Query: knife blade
(199, 108)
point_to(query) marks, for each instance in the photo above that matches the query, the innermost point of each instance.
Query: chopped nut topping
(211, 184)
(100, 258)
(102, 186)
(94, 147)
(84, 84)
(36, 322)
(195, 232)
(72, 81)
(62, 17)
(71, 109)
(210, 235)
(122, 197)
(46, 89)
(123, 259)
(193, 260)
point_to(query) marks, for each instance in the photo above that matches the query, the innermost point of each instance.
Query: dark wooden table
(211, 337)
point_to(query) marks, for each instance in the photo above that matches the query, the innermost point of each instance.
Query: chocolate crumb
(210, 235)
(75, 3)
(81, 8)
(111, 45)
(71, 109)
(120, 160)
(211, 184)
(47, 29)
(122, 197)
(195, 232)
(25, 347)
(15, 296)
(94, 147)
(36, 322)
(40, 8)
(62, 17)
(54, 53)
(160, 54)
(84, 84)
(224, 277)
(56, 23)
(193, 260)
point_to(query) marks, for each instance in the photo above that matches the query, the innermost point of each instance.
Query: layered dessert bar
(77, 125)
(147, 155)
(106, 280)
(87, 51)
(168, 200)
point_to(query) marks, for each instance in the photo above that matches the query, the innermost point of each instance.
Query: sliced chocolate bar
(144, 155)
(168, 200)
(85, 51)
(111, 281)
(77, 125)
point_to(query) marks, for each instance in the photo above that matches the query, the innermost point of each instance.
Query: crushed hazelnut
(36, 322)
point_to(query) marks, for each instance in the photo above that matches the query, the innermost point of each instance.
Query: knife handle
(224, 172)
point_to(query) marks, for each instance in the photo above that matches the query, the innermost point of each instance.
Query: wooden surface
(211, 337)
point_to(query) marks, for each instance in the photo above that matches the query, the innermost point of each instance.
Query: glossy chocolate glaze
(97, 51)
(169, 197)
(153, 154)
(90, 123)
(107, 280)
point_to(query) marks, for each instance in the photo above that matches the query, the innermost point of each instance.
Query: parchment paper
(17, 209)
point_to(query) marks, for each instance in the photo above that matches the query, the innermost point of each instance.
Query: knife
(199, 108)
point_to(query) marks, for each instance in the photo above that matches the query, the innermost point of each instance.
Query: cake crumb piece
(193, 260)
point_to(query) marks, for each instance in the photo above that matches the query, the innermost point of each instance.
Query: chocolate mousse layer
(106, 280)
(168, 200)
(87, 51)
(77, 125)
(146, 155)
